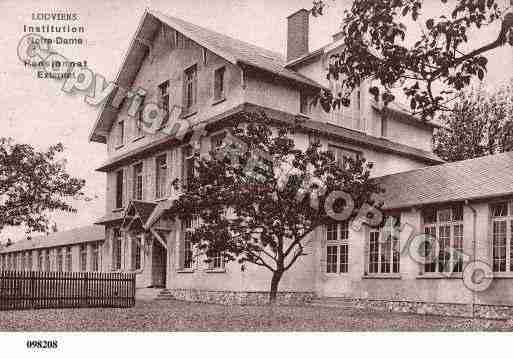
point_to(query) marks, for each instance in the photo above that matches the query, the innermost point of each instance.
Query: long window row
(57, 259)
(443, 227)
(136, 173)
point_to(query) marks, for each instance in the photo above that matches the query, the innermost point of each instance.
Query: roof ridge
(280, 56)
(447, 164)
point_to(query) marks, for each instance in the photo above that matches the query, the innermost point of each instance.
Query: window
(40, 260)
(138, 181)
(216, 141)
(337, 248)
(343, 155)
(446, 227)
(116, 249)
(136, 253)
(47, 261)
(384, 126)
(22, 261)
(348, 117)
(164, 100)
(502, 231)
(120, 138)
(187, 163)
(161, 176)
(219, 83)
(190, 87)
(69, 261)
(187, 247)
(83, 258)
(95, 257)
(216, 261)
(119, 189)
(139, 130)
(384, 248)
(304, 107)
(29, 261)
(59, 259)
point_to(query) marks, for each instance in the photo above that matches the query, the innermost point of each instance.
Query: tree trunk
(275, 281)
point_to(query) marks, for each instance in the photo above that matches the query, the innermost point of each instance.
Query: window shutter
(180, 244)
(179, 163)
(171, 170)
(148, 179)
(322, 262)
(366, 250)
(130, 183)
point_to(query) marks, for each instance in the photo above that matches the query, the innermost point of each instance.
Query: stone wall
(481, 311)
(241, 298)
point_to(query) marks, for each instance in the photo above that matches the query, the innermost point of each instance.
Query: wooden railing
(37, 290)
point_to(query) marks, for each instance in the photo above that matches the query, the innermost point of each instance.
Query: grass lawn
(184, 316)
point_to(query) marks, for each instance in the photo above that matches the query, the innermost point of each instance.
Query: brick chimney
(297, 34)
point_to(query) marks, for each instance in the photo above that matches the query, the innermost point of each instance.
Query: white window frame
(68, 260)
(190, 86)
(59, 259)
(349, 117)
(383, 255)
(502, 265)
(120, 134)
(337, 248)
(187, 260)
(161, 177)
(342, 153)
(82, 255)
(219, 83)
(304, 104)
(28, 260)
(216, 262)
(138, 188)
(187, 160)
(95, 257)
(117, 238)
(447, 260)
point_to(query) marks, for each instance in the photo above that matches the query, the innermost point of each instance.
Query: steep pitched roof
(479, 178)
(236, 51)
(75, 236)
(141, 208)
(233, 50)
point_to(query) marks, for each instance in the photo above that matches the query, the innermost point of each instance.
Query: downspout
(474, 250)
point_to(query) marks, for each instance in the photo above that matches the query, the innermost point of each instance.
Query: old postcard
(250, 166)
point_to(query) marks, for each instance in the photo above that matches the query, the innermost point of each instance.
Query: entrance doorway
(159, 267)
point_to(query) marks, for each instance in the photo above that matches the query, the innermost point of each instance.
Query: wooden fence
(35, 290)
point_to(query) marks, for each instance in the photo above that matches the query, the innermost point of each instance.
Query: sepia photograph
(245, 166)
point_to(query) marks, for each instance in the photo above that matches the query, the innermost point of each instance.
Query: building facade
(203, 77)
(77, 250)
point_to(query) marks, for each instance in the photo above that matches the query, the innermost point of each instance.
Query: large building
(205, 77)
(77, 250)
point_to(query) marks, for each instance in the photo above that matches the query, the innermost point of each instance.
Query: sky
(36, 111)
